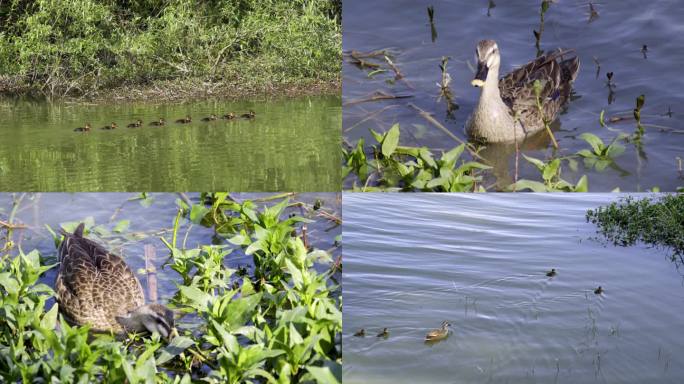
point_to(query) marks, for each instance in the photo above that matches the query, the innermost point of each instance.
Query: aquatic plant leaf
(582, 184)
(537, 163)
(521, 185)
(197, 213)
(640, 101)
(122, 226)
(49, 320)
(9, 283)
(390, 141)
(615, 150)
(199, 300)
(594, 141)
(240, 310)
(323, 375)
(175, 347)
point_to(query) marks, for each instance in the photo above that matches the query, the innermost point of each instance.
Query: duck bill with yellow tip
(481, 75)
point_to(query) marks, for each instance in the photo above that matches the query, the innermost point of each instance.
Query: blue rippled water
(479, 261)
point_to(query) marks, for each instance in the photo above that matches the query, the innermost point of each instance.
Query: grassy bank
(98, 49)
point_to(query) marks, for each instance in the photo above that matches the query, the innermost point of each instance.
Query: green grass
(82, 47)
(280, 323)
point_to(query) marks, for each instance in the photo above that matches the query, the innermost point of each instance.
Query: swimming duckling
(598, 290)
(360, 333)
(187, 119)
(439, 334)
(83, 129)
(110, 126)
(551, 273)
(228, 116)
(136, 124)
(249, 115)
(158, 123)
(384, 333)
(211, 117)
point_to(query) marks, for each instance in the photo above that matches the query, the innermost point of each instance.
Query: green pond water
(292, 144)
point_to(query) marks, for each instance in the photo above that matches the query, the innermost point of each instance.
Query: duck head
(150, 318)
(488, 59)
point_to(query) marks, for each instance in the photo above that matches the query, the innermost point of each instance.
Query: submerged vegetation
(178, 48)
(655, 221)
(276, 321)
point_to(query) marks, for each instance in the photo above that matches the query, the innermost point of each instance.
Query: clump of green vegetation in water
(77, 48)
(280, 324)
(402, 168)
(411, 168)
(655, 221)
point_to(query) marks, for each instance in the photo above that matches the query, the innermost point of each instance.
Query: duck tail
(78, 232)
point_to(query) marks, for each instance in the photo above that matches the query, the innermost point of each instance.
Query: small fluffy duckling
(249, 115)
(110, 126)
(228, 116)
(384, 333)
(137, 124)
(158, 123)
(360, 333)
(187, 119)
(598, 290)
(211, 117)
(439, 334)
(86, 128)
(551, 273)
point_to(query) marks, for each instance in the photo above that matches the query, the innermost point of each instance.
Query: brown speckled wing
(93, 286)
(517, 88)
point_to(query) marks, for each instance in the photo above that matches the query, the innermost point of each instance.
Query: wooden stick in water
(150, 255)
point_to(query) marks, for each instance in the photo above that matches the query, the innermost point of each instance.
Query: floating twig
(427, 116)
(376, 96)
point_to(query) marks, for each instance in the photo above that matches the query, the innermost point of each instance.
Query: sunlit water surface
(292, 144)
(412, 261)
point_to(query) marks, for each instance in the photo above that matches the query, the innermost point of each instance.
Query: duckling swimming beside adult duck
(507, 109)
(85, 128)
(360, 333)
(185, 120)
(228, 116)
(211, 117)
(137, 124)
(248, 115)
(159, 122)
(110, 126)
(384, 333)
(96, 287)
(439, 334)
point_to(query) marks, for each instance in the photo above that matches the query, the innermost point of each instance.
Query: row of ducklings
(161, 122)
(443, 332)
(438, 334)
